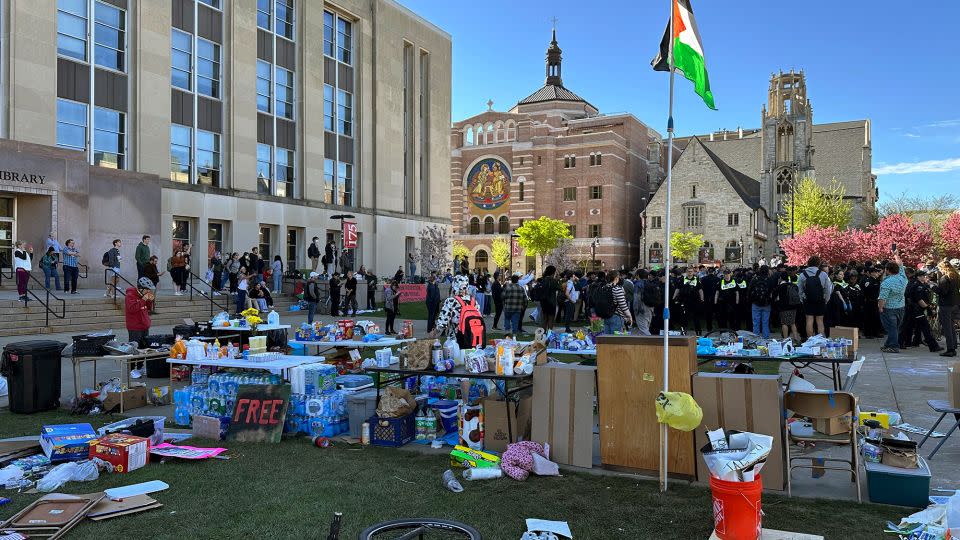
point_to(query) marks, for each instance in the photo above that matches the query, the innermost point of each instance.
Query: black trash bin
(32, 369)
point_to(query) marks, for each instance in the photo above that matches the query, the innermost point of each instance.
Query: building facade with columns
(553, 154)
(224, 124)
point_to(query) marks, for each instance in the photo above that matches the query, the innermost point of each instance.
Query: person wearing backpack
(815, 291)
(459, 314)
(760, 295)
(311, 295)
(111, 259)
(787, 300)
(610, 304)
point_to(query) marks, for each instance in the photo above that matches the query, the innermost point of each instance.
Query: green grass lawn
(290, 490)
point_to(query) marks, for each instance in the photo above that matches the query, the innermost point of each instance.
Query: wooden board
(629, 378)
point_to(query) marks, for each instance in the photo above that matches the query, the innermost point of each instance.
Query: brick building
(553, 154)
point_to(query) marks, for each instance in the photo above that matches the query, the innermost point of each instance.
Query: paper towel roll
(482, 474)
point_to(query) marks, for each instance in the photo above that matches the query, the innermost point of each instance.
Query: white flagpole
(664, 454)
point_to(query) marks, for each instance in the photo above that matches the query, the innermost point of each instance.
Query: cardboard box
(463, 456)
(752, 403)
(67, 442)
(495, 432)
(125, 452)
(847, 332)
(563, 411)
(133, 398)
(953, 384)
(208, 427)
(832, 426)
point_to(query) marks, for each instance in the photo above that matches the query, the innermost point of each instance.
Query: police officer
(870, 322)
(690, 297)
(725, 300)
(918, 306)
(744, 316)
(855, 296)
(710, 283)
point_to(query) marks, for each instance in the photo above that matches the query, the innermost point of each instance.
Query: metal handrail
(209, 295)
(82, 271)
(106, 281)
(46, 303)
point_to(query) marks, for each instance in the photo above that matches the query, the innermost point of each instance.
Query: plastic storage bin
(360, 407)
(392, 431)
(90, 345)
(900, 487)
(125, 425)
(352, 381)
(32, 369)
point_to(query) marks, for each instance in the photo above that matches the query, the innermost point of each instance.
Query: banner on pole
(349, 235)
(515, 246)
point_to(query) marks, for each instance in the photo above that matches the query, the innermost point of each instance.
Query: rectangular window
(109, 36)
(180, 153)
(344, 41)
(344, 113)
(181, 55)
(214, 238)
(733, 219)
(569, 193)
(263, 168)
(264, 243)
(596, 192)
(208, 68)
(596, 231)
(180, 233)
(328, 174)
(573, 161)
(539, 160)
(284, 172)
(694, 216)
(521, 190)
(344, 184)
(109, 139)
(656, 222)
(285, 18)
(292, 248)
(208, 158)
(593, 160)
(693, 191)
(72, 29)
(284, 92)
(573, 230)
(263, 86)
(71, 125)
(328, 34)
(263, 14)
(328, 107)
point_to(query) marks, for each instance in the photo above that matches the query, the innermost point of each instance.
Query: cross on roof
(554, 21)
(489, 104)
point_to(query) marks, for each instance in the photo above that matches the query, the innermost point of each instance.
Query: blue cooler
(449, 410)
(898, 486)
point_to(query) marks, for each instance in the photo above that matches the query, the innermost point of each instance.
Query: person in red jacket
(139, 304)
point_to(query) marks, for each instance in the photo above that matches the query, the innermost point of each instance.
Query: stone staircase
(86, 314)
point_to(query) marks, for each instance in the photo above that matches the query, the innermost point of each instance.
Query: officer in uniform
(870, 322)
(689, 297)
(918, 305)
(725, 300)
(710, 283)
(855, 296)
(744, 315)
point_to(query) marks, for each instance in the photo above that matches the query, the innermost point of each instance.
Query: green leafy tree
(460, 250)
(685, 245)
(500, 251)
(543, 235)
(815, 206)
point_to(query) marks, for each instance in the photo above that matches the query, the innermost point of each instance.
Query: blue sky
(894, 63)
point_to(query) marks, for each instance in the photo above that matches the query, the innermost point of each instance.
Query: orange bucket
(736, 509)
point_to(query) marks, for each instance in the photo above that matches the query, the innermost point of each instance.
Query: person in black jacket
(918, 304)
(496, 291)
(313, 253)
(948, 302)
(433, 301)
(870, 322)
(350, 302)
(548, 299)
(335, 294)
(710, 284)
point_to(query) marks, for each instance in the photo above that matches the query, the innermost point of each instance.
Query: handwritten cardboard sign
(412, 292)
(259, 413)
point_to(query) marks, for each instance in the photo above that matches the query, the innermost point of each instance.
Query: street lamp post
(593, 253)
(643, 233)
(741, 250)
(342, 217)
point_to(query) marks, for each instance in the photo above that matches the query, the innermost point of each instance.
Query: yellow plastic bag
(678, 410)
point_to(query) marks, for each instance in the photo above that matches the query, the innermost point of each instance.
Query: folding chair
(944, 408)
(852, 374)
(820, 405)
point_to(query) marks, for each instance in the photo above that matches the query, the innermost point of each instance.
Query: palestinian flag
(687, 51)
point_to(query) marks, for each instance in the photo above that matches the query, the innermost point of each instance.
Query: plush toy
(517, 461)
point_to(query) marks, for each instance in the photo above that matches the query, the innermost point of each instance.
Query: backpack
(310, 293)
(604, 304)
(106, 258)
(538, 291)
(793, 295)
(813, 289)
(472, 330)
(170, 264)
(760, 291)
(652, 295)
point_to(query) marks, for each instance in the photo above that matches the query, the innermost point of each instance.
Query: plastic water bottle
(431, 425)
(421, 426)
(437, 351)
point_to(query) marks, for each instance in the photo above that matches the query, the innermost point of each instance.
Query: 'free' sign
(258, 411)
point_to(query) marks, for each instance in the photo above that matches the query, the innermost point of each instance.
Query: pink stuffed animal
(517, 461)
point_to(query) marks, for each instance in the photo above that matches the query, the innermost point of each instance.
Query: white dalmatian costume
(449, 318)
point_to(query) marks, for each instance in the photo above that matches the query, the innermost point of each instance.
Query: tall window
(215, 4)
(208, 68)
(109, 138)
(596, 230)
(263, 242)
(284, 172)
(284, 18)
(72, 29)
(180, 155)
(344, 41)
(214, 238)
(344, 184)
(694, 215)
(263, 86)
(328, 39)
(338, 105)
(569, 193)
(474, 225)
(488, 225)
(292, 248)
(521, 190)
(344, 113)
(596, 192)
(329, 176)
(208, 158)
(109, 36)
(481, 259)
(181, 57)
(263, 14)
(733, 219)
(328, 113)
(503, 225)
(284, 92)
(693, 191)
(276, 166)
(180, 231)
(656, 222)
(263, 168)
(71, 125)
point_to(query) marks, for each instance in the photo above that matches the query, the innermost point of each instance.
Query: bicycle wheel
(427, 528)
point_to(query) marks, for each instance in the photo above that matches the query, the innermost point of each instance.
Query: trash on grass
(741, 459)
(450, 482)
(84, 471)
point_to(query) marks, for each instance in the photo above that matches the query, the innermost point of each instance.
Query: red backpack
(472, 330)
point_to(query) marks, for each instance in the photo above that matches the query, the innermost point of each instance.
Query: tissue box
(832, 426)
(67, 442)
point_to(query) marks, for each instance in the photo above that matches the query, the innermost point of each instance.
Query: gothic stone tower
(787, 140)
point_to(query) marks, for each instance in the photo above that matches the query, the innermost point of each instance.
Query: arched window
(468, 136)
(481, 259)
(500, 134)
(731, 254)
(479, 134)
(504, 225)
(474, 225)
(511, 130)
(489, 136)
(488, 225)
(784, 143)
(784, 182)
